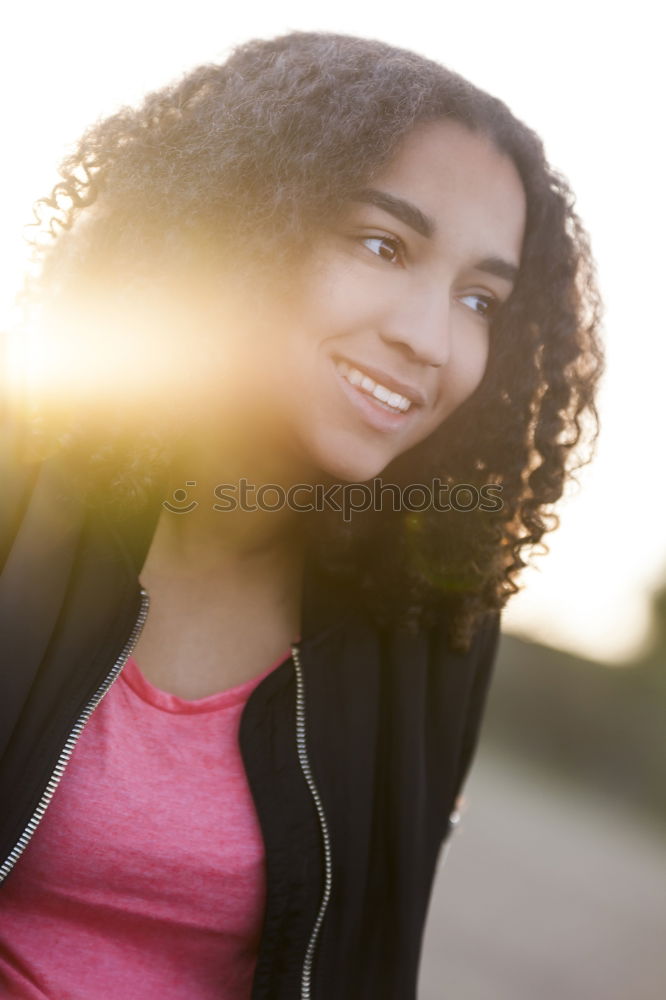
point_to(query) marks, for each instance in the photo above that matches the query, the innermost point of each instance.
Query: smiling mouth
(391, 401)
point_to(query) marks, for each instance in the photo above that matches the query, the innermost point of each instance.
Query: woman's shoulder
(17, 480)
(37, 502)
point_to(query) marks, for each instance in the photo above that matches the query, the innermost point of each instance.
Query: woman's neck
(226, 506)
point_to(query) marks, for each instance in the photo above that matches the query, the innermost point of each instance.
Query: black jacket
(355, 748)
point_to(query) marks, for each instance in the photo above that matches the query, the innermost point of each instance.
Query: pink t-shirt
(145, 877)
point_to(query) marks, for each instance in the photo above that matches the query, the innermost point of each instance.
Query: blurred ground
(546, 894)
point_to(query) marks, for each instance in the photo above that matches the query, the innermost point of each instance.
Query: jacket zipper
(72, 739)
(454, 820)
(301, 743)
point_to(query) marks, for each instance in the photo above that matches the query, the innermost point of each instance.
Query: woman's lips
(412, 393)
(372, 411)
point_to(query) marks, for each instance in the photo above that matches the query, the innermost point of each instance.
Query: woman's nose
(421, 325)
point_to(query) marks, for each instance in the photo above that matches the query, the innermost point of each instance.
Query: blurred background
(555, 882)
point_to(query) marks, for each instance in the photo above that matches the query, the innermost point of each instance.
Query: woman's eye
(384, 246)
(484, 305)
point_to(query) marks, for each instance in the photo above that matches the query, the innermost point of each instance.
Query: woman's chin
(353, 469)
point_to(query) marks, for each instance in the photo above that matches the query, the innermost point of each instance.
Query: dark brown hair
(239, 165)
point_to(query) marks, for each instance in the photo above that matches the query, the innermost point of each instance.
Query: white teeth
(390, 399)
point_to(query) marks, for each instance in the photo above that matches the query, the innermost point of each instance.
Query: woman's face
(387, 332)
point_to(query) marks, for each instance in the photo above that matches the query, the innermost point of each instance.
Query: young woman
(322, 339)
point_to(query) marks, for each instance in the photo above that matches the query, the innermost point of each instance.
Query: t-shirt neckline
(167, 702)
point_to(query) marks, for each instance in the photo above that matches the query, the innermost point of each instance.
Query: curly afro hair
(239, 166)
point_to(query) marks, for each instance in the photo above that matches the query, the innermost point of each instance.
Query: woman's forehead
(444, 177)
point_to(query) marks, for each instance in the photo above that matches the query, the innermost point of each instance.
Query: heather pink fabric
(145, 878)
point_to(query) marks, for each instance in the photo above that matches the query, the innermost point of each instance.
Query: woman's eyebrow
(424, 225)
(499, 267)
(403, 210)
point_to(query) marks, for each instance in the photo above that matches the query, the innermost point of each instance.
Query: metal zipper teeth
(304, 761)
(72, 739)
(454, 821)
